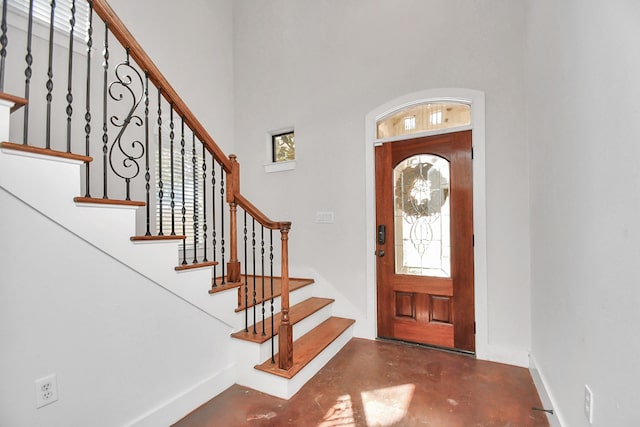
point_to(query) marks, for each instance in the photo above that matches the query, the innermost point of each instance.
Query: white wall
(321, 66)
(584, 133)
(123, 348)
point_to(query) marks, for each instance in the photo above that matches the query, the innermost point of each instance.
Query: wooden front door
(424, 241)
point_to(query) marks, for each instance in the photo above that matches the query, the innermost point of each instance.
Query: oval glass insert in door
(422, 216)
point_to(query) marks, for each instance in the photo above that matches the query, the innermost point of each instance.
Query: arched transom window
(424, 117)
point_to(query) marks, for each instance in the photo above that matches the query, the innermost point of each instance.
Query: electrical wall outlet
(46, 390)
(588, 404)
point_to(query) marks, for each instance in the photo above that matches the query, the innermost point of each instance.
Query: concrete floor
(377, 383)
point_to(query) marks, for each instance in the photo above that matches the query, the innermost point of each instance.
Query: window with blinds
(193, 191)
(62, 14)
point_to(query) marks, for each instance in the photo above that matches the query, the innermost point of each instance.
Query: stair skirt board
(56, 203)
(285, 388)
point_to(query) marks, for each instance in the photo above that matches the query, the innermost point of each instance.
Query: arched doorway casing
(476, 100)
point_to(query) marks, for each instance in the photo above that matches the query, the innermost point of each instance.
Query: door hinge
(473, 240)
(472, 154)
(474, 328)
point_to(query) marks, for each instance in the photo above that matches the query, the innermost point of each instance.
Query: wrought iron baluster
(105, 128)
(204, 204)
(196, 211)
(184, 207)
(147, 175)
(87, 113)
(273, 331)
(246, 278)
(69, 110)
(160, 184)
(172, 195)
(128, 86)
(213, 218)
(49, 84)
(264, 300)
(224, 279)
(28, 72)
(4, 40)
(253, 272)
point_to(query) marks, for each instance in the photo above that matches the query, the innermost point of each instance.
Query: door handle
(380, 253)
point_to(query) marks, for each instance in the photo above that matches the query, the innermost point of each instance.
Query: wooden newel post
(285, 340)
(233, 188)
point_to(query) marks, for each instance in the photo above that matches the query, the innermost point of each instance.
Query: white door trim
(476, 100)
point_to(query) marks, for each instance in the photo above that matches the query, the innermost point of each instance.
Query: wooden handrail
(259, 216)
(126, 39)
(229, 164)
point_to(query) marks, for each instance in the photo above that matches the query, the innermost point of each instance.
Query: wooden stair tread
(44, 151)
(218, 286)
(308, 346)
(294, 283)
(98, 201)
(297, 313)
(18, 101)
(196, 265)
(156, 238)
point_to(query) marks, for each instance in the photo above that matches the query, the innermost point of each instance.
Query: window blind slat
(42, 13)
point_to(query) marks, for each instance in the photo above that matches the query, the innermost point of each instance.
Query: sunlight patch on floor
(387, 406)
(340, 414)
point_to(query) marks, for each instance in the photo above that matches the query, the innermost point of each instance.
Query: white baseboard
(176, 408)
(548, 402)
(499, 353)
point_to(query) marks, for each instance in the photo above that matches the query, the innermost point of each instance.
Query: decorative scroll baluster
(273, 359)
(204, 204)
(262, 278)
(128, 86)
(253, 272)
(160, 184)
(87, 113)
(28, 73)
(49, 84)
(196, 211)
(69, 110)
(172, 195)
(224, 279)
(105, 128)
(246, 277)
(147, 175)
(4, 40)
(184, 206)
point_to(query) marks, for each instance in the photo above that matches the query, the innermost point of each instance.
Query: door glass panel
(424, 117)
(422, 216)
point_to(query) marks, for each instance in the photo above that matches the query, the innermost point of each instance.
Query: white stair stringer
(49, 184)
(50, 189)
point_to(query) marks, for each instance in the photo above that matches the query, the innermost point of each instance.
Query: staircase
(280, 332)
